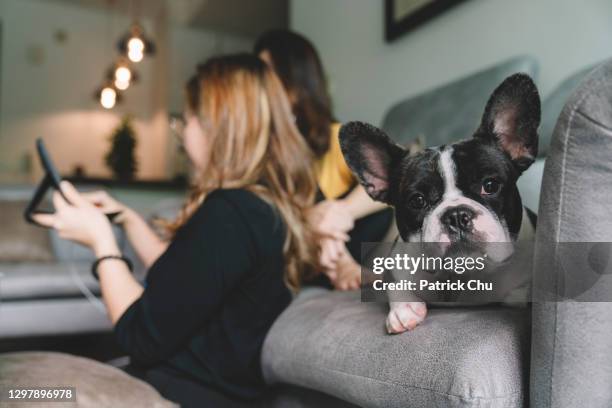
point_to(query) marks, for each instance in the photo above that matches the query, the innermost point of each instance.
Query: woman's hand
(330, 219)
(338, 265)
(107, 204)
(142, 237)
(346, 274)
(330, 253)
(80, 221)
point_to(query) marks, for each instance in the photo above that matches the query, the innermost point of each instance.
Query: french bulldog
(464, 192)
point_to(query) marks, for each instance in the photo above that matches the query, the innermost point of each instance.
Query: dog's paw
(405, 316)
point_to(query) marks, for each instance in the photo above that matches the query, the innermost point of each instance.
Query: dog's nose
(458, 219)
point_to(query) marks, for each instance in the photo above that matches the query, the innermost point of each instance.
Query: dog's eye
(490, 186)
(418, 201)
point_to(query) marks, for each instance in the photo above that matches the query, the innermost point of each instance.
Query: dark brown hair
(299, 67)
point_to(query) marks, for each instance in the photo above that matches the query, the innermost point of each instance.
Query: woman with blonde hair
(195, 329)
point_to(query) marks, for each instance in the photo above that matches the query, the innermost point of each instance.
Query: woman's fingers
(348, 272)
(344, 283)
(325, 258)
(59, 202)
(331, 274)
(95, 197)
(335, 249)
(46, 220)
(336, 235)
(72, 195)
(342, 236)
(329, 254)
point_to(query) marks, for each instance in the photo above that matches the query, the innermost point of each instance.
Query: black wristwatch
(97, 262)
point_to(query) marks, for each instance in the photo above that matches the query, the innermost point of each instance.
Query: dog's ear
(512, 117)
(371, 155)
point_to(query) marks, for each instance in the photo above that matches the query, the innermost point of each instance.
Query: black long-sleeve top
(210, 299)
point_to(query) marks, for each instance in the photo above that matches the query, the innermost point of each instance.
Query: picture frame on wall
(402, 16)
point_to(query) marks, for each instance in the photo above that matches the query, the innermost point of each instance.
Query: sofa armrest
(331, 342)
(571, 362)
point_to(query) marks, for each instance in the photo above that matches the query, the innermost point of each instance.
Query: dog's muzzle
(458, 221)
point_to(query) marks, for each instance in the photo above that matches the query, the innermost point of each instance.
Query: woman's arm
(359, 204)
(332, 219)
(117, 284)
(335, 218)
(82, 222)
(147, 244)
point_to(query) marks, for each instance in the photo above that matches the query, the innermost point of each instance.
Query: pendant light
(135, 45)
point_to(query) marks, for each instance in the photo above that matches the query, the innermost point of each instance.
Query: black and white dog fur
(462, 192)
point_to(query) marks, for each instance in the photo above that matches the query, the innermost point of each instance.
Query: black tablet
(52, 179)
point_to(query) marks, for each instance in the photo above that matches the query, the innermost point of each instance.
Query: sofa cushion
(459, 357)
(97, 384)
(52, 317)
(28, 281)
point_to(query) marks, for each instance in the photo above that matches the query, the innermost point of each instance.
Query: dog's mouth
(457, 246)
(464, 245)
(459, 241)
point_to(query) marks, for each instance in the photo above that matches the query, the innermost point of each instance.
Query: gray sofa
(330, 350)
(554, 354)
(571, 363)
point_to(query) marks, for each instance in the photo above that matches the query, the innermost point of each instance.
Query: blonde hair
(255, 145)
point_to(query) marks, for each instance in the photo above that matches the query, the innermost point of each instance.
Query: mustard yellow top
(333, 175)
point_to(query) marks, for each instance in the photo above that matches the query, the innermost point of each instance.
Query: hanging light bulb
(108, 97)
(135, 55)
(121, 85)
(135, 45)
(135, 49)
(121, 74)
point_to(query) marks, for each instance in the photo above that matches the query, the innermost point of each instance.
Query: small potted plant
(121, 157)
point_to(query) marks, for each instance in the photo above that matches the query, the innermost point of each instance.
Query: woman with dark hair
(239, 248)
(343, 206)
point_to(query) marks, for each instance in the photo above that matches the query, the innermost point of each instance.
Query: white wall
(55, 99)
(191, 47)
(368, 75)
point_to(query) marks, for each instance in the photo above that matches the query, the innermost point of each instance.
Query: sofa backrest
(453, 111)
(553, 104)
(572, 286)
